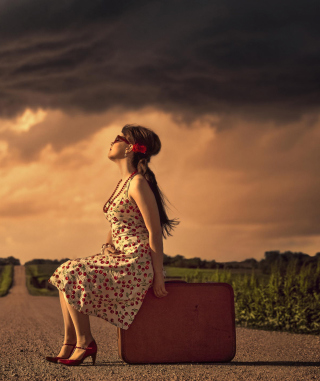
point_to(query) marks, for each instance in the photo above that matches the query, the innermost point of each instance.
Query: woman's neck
(126, 168)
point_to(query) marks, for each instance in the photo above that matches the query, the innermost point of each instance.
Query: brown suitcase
(195, 322)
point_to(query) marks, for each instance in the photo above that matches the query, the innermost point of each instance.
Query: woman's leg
(70, 336)
(82, 328)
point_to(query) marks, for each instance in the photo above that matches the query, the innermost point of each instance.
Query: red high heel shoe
(91, 350)
(55, 359)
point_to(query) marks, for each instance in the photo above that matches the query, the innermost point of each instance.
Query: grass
(211, 275)
(288, 302)
(6, 279)
(37, 275)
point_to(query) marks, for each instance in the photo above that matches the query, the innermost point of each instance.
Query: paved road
(31, 328)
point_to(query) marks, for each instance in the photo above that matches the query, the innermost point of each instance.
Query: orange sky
(239, 188)
(232, 94)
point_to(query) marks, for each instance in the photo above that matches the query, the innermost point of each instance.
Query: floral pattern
(112, 286)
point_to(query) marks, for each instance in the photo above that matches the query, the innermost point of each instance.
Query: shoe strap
(85, 348)
(70, 344)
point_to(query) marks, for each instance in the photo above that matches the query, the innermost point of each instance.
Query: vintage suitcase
(195, 322)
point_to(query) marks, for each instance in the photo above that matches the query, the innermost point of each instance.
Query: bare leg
(70, 336)
(83, 331)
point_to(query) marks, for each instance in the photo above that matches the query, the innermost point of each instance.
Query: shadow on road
(274, 363)
(235, 363)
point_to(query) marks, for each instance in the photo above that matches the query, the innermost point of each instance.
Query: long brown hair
(145, 136)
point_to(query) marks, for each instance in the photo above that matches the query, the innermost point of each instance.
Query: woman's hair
(145, 136)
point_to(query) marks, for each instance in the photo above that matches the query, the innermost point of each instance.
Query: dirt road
(31, 328)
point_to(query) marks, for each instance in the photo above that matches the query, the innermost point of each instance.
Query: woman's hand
(158, 286)
(110, 249)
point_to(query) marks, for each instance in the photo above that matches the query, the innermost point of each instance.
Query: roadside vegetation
(281, 292)
(282, 300)
(37, 276)
(6, 279)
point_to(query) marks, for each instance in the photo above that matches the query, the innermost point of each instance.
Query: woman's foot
(66, 351)
(89, 351)
(78, 352)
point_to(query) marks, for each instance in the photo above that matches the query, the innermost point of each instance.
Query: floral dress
(112, 286)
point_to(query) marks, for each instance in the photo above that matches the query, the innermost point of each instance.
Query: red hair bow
(139, 148)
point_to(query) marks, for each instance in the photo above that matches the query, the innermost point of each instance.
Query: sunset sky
(231, 88)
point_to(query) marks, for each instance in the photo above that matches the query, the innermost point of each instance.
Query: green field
(288, 302)
(37, 280)
(6, 278)
(212, 275)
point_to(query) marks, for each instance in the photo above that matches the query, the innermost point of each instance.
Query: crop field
(37, 280)
(288, 302)
(6, 278)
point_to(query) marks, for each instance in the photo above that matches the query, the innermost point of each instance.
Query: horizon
(208, 260)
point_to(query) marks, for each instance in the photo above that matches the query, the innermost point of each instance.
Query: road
(32, 327)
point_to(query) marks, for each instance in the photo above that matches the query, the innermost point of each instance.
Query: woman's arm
(109, 237)
(111, 249)
(143, 196)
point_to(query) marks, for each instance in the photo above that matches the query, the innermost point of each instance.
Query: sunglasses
(120, 138)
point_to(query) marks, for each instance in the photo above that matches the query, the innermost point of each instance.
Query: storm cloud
(189, 58)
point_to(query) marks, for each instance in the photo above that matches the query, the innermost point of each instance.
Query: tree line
(271, 258)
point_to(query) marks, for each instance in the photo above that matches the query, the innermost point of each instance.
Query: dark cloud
(58, 130)
(257, 59)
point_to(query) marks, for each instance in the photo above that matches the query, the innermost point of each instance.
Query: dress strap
(127, 186)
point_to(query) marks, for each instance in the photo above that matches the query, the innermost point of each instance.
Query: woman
(113, 284)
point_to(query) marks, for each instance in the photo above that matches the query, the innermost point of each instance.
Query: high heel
(91, 350)
(55, 359)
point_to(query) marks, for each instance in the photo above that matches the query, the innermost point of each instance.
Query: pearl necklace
(110, 201)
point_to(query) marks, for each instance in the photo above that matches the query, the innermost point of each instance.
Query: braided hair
(145, 136)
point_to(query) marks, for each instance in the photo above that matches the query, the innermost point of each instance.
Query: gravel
(32, 328)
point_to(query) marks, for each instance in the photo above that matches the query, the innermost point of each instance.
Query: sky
(231, 88)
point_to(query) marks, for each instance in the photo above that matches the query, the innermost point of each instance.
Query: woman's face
(118, 148)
